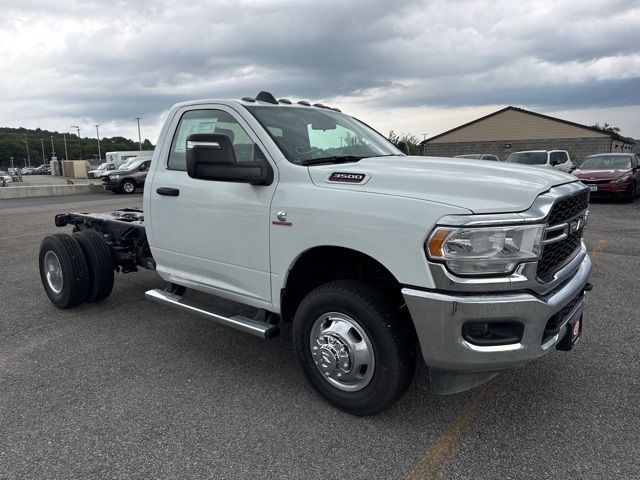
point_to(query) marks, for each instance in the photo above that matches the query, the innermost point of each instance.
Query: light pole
(79, 142)
(44, 161)
(26, 141)
(66, 155)
(139, 137)
(11, 158)
(53, 149)
(98, 135)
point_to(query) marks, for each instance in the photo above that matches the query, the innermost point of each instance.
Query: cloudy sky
(414, 66)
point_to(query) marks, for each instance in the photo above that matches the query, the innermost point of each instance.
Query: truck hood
(477, 185)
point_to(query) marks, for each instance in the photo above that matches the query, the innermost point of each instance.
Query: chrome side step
(244, 324)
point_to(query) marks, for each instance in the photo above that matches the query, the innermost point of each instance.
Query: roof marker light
(266, 97)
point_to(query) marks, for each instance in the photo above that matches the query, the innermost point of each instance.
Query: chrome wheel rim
(128, 187)
(53, 272)
(342, 351)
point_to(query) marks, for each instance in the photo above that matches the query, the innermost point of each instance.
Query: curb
(49, 190)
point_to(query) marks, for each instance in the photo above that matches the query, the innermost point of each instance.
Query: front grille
(557, 254)
(553, 324)
(568, 207)
(595, 182)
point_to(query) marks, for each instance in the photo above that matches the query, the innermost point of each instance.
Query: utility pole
(98, 135)
(139, 137)
(79, 142)
(26, 141)
(44, 160)
(11, 158)
(53, 149)
(66, 155)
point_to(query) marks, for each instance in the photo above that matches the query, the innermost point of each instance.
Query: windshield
(310, 135)
(611, 162)
(528, 158)
(102, 166)
(132, 165)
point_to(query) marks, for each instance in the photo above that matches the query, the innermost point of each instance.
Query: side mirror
(404, 147)
(211, 157)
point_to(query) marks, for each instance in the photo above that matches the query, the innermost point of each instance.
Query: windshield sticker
(189, 126)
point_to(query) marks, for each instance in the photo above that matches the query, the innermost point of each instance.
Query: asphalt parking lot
(128, 389)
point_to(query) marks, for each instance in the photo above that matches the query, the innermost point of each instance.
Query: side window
(210, 121)
(559, 157)
(111, 167)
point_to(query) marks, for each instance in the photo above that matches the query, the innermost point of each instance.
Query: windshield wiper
(334, 159)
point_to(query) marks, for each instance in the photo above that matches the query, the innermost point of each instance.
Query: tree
(606, 127)
(411, 140)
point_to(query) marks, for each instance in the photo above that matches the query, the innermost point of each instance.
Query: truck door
(212, 235)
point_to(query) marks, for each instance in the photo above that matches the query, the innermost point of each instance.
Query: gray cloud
(112, 60)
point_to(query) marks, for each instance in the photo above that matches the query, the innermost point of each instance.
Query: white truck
(315, 220)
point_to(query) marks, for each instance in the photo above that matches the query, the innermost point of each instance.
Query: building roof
(613, 135)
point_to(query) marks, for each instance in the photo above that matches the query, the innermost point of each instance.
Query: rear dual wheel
(75, 269)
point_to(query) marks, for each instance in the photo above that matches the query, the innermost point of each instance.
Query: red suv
(611, 175)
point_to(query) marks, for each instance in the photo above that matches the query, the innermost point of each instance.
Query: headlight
(622, 179)
(114, 177)
(484, 250)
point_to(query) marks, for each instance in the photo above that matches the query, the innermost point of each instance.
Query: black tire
(128, 186)
(100, 264)
(631, 197)
(389, 332)
(74, 270)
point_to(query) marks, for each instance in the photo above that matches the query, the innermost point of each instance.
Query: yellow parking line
(595, 252)
(433, 462)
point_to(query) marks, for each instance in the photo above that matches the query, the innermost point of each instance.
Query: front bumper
(611, 190)
(438, 318)
(109, 184)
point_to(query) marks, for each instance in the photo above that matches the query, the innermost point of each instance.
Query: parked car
(611, 175)
(43, 170)
(5, 178)
(558, 159)
(102, 169)
(480, 156)
(371, 255)
(128, 179)
(28, 171)
(125, 165)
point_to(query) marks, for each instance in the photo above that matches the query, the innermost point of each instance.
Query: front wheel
(128, 186)
(354, 346)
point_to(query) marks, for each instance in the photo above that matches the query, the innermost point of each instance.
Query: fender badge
(344, 177)
(282, 219)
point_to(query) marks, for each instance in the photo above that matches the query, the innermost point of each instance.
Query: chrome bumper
(438, 318)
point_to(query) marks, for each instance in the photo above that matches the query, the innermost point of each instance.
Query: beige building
(513, 129)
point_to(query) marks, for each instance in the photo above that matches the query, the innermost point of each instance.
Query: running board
(244, 324)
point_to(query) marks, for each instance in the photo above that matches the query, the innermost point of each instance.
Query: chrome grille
(563, 236)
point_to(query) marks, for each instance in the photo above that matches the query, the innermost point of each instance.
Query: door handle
(168, 192)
